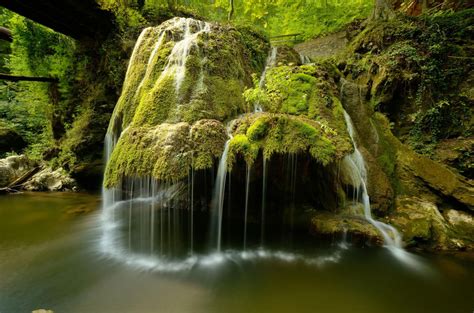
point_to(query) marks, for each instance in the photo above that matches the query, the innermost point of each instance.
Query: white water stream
(271, 60)
(355, 164)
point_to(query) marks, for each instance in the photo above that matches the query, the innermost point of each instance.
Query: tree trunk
(14, 78)
(424, 6)
(382, 10)
(231, 9)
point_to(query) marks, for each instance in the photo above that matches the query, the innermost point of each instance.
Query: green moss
(208, 138)
(240, 144)
(288, 89)
(258, 129)
(281, 134)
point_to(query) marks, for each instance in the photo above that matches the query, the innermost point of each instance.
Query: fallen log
(18, 183)
(14, 78)
(6, 190)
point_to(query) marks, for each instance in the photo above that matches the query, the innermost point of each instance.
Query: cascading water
(219, 192)
(264, 192)
(247, 190)
(355, 165)
(179, 54)
(141, 198)
(304, 59)
(270, 62)
(153, 224)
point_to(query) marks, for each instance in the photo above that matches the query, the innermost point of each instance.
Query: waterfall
(304, 59)
(192, 211)
(247, 189)
(179, 55)
(264, 191)
(355, 164)
(219, 191)
(270, 62)
(151, 223)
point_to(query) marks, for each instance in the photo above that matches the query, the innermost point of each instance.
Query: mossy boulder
(335, 225)
(274, 133)
(177, 96)
(462, 224)
(422, 224)
(303, 114)
(287, 56)
(50, 180)
(419, 175)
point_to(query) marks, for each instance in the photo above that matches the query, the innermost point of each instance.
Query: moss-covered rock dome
(188, 79)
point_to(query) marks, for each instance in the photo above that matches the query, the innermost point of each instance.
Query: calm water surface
(50, 258)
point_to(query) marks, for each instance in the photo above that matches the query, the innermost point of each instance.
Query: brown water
(50, 258)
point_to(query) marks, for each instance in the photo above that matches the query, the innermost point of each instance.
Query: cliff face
(405, 87)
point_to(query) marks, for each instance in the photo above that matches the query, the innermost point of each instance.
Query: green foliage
(309, 17)
(35, 109)
(441, 121)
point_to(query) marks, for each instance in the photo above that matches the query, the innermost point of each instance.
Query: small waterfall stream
(271, 60)
(355, 164)
(247, 190)
(264, 191)
(219, 192)
(357, 170)
(179, 54)
(304, 59)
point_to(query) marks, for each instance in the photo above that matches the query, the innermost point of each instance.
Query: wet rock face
(422, 224)
(436, 177)
(331, 225)
(458, 154)
(12, 168)
(50, 180)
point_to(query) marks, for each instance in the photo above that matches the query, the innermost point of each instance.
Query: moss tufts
(282, 134)
(240, 144)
